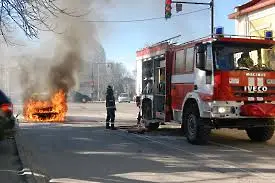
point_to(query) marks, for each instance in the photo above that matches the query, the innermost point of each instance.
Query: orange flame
(53, 110)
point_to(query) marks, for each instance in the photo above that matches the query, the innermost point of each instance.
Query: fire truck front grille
(252, 94)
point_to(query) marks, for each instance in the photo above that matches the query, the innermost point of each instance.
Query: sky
(122, 40)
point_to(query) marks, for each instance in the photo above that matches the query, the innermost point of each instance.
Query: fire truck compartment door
(139, 78)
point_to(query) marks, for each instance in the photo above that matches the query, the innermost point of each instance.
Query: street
(10, 165)
(68, 66)
(81, 150)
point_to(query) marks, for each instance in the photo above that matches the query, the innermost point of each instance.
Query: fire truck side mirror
(201, 60)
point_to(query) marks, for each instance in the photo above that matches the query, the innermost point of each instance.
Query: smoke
(56, 65)
(68, 55)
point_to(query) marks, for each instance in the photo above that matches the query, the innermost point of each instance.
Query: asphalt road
(82, 151)
(10, 164)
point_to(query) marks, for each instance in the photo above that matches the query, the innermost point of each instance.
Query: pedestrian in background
(111, 108)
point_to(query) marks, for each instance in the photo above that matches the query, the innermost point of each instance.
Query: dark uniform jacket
(110, 101)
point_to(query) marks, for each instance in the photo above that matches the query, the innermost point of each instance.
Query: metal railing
(242, 36)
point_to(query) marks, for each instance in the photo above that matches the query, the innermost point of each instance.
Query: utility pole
(212, 17)
(98, 94)
(98, 86)
(179, 5)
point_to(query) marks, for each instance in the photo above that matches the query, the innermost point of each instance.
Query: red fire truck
(214, 82)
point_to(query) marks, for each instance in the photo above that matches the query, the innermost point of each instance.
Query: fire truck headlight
(221, 109)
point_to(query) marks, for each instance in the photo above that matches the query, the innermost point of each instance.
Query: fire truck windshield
(243, 56)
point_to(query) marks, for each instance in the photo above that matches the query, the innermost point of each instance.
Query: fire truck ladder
(167, 40)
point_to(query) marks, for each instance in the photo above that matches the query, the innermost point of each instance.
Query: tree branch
(31, 16)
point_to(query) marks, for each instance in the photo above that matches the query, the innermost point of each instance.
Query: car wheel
(84, 100)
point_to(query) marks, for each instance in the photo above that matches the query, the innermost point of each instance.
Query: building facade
(255, 18)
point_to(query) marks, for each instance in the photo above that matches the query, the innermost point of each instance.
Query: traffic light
(168, 8)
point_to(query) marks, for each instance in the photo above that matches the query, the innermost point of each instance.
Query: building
(255, 18)
(92, 72)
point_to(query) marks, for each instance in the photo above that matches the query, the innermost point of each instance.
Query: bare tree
(118, 77)
(29, 15)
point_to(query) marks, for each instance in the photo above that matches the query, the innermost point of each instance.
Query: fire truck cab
(210, 83)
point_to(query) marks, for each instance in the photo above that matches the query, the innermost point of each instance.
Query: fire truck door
(204, 70)
(160, 89)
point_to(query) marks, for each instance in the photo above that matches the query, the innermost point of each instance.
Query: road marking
(204, 157)
(211, 142)
(25, 171)
(232, 147)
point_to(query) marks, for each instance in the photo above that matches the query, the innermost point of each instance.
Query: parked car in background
(124, 97)
(79, 97)
(7, 119)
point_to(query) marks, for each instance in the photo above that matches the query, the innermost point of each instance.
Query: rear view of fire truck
(153, 83)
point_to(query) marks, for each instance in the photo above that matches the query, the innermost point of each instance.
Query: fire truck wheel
(261, 134)
(196, 130)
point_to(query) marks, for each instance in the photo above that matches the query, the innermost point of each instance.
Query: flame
(53, 110)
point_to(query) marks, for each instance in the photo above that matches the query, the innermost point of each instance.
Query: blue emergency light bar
(269, 35)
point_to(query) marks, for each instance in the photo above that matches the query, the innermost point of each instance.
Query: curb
(96, 102)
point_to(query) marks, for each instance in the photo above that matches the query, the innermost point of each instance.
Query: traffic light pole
(211, 4)
(212, 17)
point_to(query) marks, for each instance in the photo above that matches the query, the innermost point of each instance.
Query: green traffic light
(168, 15)
(168, 9)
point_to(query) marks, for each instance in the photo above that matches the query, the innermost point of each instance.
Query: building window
(189, 59)
(180, 60)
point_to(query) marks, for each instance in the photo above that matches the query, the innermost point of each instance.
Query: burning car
(45, 107)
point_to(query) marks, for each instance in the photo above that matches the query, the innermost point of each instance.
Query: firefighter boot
(107, 126)
(113, 126)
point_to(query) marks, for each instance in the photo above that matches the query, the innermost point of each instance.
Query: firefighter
(111, 108)
(245, 61)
